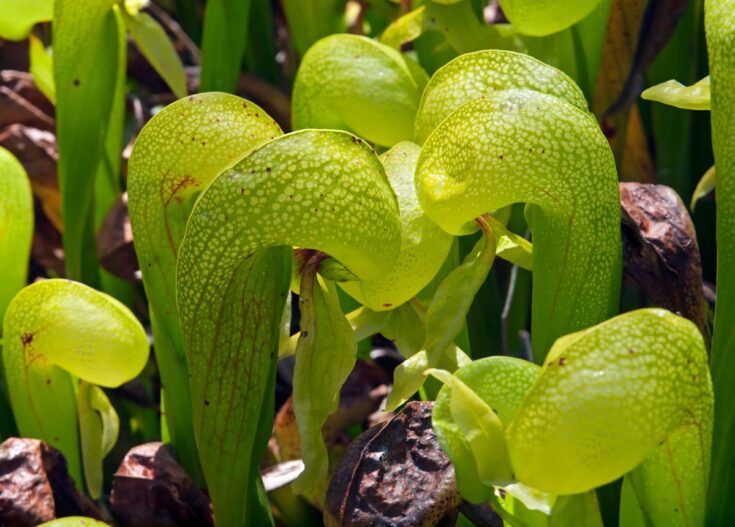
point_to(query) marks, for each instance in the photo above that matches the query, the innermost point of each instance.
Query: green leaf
(310, 20)
(107, 184)
(521, 145)
(482, 429)
(540, 18)
(705, 186)
(405, 29)
(606, 397)
(224, 38)
(673, 93)
(719, 22)
(479, 74)
(56, 329)
(322, 190)
(671, 484)
(501, 382)
(176, 155)
(16, 227)
(19, 17)
(156, 47)
(99, 426)
(577, 509)
(42, 68)
(74, 521)
(85, 44)
(424, 246)
(445, 319)
(509, 246)
(630, 510)
(356, 84)
(457, 22)
(325, 357)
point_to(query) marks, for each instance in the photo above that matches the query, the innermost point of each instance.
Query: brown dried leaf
(394, 474)
(22, 102)
(35, 486)
(150, 489)
(625, 129)
(660, 252)
(115, 242)
(36, 151)
(659, 23)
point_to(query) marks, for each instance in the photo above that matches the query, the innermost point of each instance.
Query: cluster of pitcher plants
(385, 211)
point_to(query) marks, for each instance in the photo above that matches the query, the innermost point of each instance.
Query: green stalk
(720, 31)
(224, 38)
(176, 155)
(85, 42)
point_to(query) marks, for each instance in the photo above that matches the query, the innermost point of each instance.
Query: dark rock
(150, 489)
(394, 474)
(35, 486)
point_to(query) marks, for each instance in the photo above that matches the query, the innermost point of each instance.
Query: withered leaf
(115, 242)
(660, 251)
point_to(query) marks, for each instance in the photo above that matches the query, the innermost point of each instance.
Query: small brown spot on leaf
(76, 82)
(26, 339)
(562, 361)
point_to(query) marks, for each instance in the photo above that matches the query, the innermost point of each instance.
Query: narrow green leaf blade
(445, 319)
(224, 38)
(719, 24)
(155, 45)
(705, 186)
(85, 44)
(16, 227)
(42, 68)
(310, 20)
